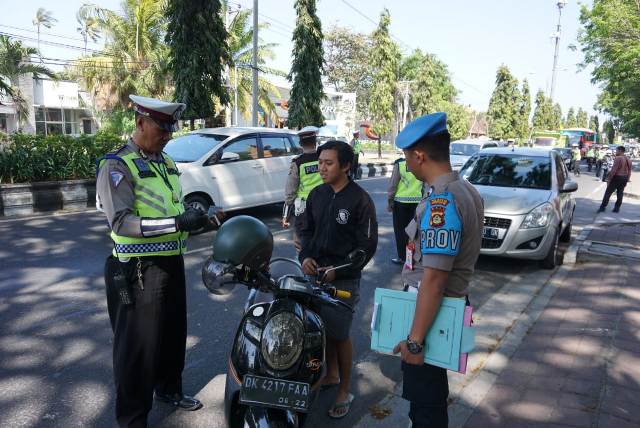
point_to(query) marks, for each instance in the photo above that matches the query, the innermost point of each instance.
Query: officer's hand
(390, 206)
(408, 357)
(285, 223)
(309, 266)
(330, 276)
(191, 220)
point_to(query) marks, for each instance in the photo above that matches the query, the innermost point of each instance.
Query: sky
(472, 37)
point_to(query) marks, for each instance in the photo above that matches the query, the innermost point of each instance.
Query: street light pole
(554, 72)
(254, 64)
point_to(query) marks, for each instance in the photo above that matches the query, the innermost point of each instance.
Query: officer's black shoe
(616, 210)
(601, 210)
(181, 401)
(397, 261)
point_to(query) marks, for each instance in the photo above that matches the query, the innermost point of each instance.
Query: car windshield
(191, 147)
(463, 149)
(529, 172)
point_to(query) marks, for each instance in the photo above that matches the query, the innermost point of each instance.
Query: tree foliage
(556, 117)
(89, 27)
(522, 130)
(307, 67)
(346, 58)
(504, 106)
(594, 123)
(582, 120)
(570, 121)
(198, 53)
(543, 113)
(432, 86)
(384, 61)
(610, 40)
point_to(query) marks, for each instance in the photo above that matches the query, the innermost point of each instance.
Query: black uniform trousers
(427, 389)
(617, 184)
(355, 166)
(149, 336)
(402, 216)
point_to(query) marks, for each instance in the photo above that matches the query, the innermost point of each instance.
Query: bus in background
(583, 137)
(548, 139)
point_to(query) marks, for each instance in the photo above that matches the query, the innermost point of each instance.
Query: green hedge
(28, 158)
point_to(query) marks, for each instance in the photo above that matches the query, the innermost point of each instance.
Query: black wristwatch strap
(414, 347)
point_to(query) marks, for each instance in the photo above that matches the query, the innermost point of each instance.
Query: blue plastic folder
(447, 339)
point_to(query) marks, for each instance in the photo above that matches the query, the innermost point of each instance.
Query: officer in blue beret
(444, 244)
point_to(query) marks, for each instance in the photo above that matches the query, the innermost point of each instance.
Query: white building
(54, 108)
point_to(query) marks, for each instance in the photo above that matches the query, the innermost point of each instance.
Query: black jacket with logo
(336, 224)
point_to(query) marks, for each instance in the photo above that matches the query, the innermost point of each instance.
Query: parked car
(461, 150)
(234, 168)
(528, 206)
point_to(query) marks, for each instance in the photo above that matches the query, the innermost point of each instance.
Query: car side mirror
(229, 157)
(569, 186)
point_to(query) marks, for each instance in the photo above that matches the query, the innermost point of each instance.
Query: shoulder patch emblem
(343, 216)
(437, 216)
(116, 178)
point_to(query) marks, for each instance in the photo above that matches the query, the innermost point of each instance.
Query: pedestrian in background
(403, 196)
(356, 145)
(139, 191)
(576, 157)
(617, 180)
(445, 235)
(303, 178)
(599, 153)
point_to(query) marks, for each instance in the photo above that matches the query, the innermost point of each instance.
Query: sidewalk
(579, 365)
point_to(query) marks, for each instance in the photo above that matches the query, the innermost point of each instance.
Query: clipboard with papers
(448, 341)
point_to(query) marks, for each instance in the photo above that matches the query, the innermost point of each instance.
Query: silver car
(461, 150)
(528, 206)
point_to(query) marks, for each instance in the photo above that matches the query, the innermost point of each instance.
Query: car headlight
(538, 217)
(282, 340)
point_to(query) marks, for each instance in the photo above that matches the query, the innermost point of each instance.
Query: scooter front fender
(262, 417)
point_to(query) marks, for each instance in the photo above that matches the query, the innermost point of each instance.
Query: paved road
(55, 342)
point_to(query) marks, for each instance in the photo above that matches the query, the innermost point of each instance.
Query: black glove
(192, 219)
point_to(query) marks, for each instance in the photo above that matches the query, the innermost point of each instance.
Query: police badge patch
(437, 216)
(116, 178)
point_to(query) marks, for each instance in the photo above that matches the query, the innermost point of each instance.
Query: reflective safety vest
(590, 153)
(576, 155)
(157, 195)
(357, 147)
(409, 189)
(600, 155)
(309, 178)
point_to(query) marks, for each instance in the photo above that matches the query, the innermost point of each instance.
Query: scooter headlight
(282, 340)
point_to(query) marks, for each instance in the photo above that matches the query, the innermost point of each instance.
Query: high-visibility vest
(309, 178)
(576, 155)
(154, 198)
(357, 147)
(409, 189)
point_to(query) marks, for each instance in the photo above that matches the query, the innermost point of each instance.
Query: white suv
(234, 168)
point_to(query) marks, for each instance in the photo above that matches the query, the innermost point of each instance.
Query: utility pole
(254, 64)
(554, 72)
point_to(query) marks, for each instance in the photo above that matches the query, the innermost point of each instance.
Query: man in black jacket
(340, 218)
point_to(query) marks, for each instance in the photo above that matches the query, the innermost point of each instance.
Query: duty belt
(154, 247)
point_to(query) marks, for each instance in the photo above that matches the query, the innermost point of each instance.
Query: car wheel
(200, 203)
(551, 260)
(566, 233)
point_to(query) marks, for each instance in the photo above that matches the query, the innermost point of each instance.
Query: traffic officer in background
(303, 178)
(445, 238)
(357, 148)
(139, 191)
(403, 196)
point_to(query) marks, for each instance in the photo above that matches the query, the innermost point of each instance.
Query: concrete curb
(29, 198)
(375, 170)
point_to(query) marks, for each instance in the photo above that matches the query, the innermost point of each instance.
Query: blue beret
(429, 125)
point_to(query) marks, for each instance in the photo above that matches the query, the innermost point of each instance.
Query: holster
(122, 279)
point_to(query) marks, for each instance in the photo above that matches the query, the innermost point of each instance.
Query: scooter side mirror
(357, 257)
(217, 277)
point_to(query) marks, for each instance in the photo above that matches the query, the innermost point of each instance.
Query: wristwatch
(414, 347)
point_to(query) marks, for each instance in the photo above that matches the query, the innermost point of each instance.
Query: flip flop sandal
(346, 405)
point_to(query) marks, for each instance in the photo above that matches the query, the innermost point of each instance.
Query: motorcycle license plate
(277, 393)
(490, 232)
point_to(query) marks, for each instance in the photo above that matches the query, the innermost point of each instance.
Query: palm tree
(45, 19)
(241, 46)
(135, 57)
(14, 62)
(89, 26)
